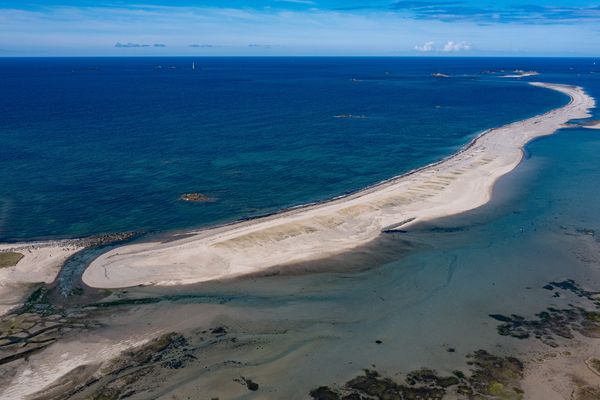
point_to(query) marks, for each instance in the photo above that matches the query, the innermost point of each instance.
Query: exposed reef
(491, 377)
(35, 326)
(554, 323)
(141, 369)
(195, 197)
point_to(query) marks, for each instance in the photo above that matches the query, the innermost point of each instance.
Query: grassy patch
(10, 259)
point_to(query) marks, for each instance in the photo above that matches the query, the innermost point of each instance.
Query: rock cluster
(491, 377)
(554, 323)
(195, 197)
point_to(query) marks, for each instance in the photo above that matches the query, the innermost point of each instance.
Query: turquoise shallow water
(418, 293)
(107, 145)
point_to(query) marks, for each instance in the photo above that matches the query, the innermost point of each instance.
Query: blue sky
(300, 27)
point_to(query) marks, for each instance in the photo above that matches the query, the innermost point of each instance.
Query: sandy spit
(456, 184)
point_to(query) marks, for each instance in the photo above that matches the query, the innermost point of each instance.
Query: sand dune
(457, 184)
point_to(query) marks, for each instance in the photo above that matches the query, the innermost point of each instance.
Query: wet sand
(41, 263)
(459, 183)
(425, 304)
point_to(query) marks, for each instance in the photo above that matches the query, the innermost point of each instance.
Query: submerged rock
(249, 383)
(491, 377)
(554, 323)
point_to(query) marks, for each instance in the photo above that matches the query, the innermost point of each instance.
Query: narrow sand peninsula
(459, 183)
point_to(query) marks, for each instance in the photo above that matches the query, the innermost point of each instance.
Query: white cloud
(452, 46)
(297, 1)
(95, 30)
(427, 46)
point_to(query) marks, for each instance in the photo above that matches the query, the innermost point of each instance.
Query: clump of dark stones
(121, 378)
(142, 369)
(570, 286)
(249, 383)
(36, 326)
(219, 331)
(554, 323)
(491, 377)
(161, 349)
(105, 239)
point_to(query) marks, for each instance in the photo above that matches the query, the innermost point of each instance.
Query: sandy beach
(41, 263)
(459, 183)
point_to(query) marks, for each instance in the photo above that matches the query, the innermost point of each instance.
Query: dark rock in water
(324, 393)
(459, 374)
(108, 238)
(219, 331)
(501, 318)
(430, 377)
(378, 341)
(195, 197)
(492, 377)
(553, 322)
(249, 383)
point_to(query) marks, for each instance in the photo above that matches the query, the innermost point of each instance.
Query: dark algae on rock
(118, 379)
(491, 377)
(554, 323)
(35, 326)
(141, 370)
(249, 383)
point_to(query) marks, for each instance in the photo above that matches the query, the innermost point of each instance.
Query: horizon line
(296, 56)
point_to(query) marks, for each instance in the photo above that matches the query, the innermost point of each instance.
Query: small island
(195, 197)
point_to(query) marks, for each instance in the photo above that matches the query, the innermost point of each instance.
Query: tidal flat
(423, 312)
(500, 302)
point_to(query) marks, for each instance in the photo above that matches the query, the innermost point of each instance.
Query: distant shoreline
(455, 184)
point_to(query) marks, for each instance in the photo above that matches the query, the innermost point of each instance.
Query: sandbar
(453, 185)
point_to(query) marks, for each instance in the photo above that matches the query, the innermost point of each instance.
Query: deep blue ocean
(94, 145)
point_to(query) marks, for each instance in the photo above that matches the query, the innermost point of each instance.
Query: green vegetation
(10, 259)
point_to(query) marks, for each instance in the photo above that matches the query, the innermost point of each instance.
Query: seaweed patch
(490, 377)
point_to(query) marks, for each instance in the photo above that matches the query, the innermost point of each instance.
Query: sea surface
(96, 145)
(419, 299)
(409, 300)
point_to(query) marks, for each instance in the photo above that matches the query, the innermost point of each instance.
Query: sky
(300, 27)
